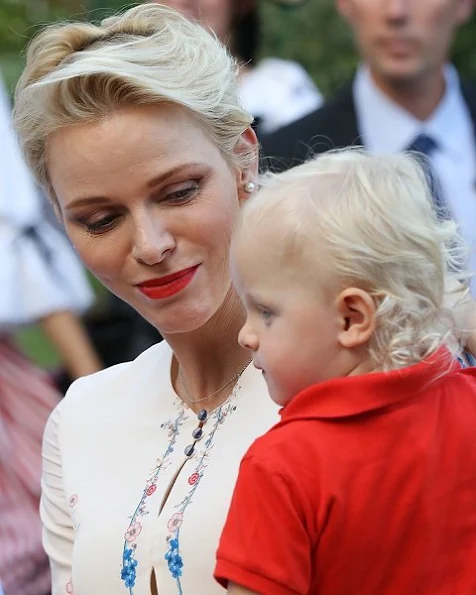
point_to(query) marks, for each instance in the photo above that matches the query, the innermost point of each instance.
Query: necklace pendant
(202, 415)
(189, 450)
(197, 433)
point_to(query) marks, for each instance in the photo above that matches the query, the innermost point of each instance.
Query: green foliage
(313, 35)
(317, 37)
(19, 20)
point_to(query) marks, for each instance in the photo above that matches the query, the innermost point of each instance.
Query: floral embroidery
(129, 561)
(133, 532)
(174, 560)
(193, 478)
(128, 572)
(173, 557)
(150, 490)
(175, 522)
(69, 587)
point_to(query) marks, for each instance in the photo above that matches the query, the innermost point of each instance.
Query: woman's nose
(247, 338)
(152, 242)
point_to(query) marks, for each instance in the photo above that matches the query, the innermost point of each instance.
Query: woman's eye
(184, 194)
(100, 225)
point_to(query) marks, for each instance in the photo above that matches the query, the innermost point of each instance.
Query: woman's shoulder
(118, 386)
(152, 361)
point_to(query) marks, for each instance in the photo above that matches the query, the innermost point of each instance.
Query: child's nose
(247, 338)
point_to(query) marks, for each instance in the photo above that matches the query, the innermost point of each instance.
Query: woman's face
(149, 201)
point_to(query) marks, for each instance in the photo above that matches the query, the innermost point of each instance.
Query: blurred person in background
(275, 91)
(405, 96)
(41, 281)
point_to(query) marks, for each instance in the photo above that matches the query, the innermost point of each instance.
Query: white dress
(112, 450)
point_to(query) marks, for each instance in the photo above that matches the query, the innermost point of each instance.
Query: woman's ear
(357, 320)
(247, 145)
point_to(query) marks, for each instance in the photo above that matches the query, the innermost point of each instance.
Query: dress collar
(353, 395)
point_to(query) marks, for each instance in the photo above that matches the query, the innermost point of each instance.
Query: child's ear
(356, 311)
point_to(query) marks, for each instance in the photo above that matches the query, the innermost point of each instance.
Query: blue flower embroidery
(128, 571)
(172, 556)
(129, 561)
(174, 559)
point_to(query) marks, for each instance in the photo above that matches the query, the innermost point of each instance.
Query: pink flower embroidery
(73, 501)
(133, 532)
(69, 587)
(192, 480)
(150, 490)
(175, 522)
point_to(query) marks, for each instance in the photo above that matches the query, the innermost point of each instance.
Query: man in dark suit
(405, 95)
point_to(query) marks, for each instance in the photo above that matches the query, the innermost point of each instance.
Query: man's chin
(398, 73)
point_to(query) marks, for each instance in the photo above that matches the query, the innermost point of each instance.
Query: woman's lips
(163, 287)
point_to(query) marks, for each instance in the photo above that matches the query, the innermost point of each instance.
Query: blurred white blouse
(278, 92)
(39, 270)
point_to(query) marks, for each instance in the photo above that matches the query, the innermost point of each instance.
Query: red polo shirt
(367, 486)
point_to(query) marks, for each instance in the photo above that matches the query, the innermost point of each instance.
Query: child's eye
(266, 313)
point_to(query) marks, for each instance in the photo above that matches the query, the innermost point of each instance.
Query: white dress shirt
(385, 127)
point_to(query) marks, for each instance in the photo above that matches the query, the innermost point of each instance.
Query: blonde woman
(135, 130)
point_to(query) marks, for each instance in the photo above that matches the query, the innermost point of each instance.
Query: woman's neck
(209, 357)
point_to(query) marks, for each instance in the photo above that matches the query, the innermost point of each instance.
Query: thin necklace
(193, 401)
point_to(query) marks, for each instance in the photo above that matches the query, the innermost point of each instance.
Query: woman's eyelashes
(180, 194)
(97, 224)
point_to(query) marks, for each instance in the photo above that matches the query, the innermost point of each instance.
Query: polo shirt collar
(353, 395)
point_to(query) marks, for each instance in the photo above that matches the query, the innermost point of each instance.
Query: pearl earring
(249, 187)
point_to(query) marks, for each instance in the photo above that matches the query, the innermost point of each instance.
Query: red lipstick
(163, 287)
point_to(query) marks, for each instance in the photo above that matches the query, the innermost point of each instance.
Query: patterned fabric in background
(26, 400)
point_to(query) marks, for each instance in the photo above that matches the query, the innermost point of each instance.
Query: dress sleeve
(265, 545)
(58, 530)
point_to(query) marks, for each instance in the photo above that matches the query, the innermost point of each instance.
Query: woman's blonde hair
(150, 54)
(369, 220)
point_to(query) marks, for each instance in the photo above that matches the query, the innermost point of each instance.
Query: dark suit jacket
(333, 126)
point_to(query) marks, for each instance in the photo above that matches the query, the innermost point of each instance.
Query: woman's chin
(185, 320)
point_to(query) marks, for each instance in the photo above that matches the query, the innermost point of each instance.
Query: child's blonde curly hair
(370, 220)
